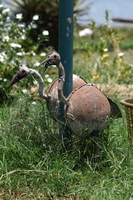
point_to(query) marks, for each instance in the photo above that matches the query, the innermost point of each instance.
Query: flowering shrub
(101, 51)
(15, 44)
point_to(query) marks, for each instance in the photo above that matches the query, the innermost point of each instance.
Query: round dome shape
(52, 93)
(87, 111)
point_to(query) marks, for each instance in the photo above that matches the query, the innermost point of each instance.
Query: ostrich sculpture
(52, 94)
(86, 108)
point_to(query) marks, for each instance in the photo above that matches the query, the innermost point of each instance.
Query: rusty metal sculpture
(86, 109)
(52, 94)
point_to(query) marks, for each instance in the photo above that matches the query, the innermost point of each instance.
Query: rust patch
(53, 102)
(88, 110)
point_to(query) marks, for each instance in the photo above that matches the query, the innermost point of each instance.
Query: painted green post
(66, 53)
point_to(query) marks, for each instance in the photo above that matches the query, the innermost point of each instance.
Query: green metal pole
(66, 53)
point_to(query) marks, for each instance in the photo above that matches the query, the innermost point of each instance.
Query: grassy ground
(33, 164)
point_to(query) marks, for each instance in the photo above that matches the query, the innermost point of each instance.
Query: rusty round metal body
(88, 111)
(52, 93)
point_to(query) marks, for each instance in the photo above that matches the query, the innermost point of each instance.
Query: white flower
(4, 79)
(36, 64)
(85, 32)
(20, 53)
(35, 17)
(25, 91)
(45, 32)
(34, 25)
(19, 16)
(1, 22)
(105, 50)
(15, 45)
(1, 59)
(1, 6)
(46, 75)
(121, 54)
(23, 37)
(33, 102)
(43, 54)
(49, 80)
(22, 25)
(3, 53)
(5, 10)
(6, 38)
(3, 56)
(8, 19)
(35, 82)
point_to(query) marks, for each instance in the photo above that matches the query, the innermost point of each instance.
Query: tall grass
(34, 166)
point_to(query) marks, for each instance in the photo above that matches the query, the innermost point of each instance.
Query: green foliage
(15, 44)
(48, 16)
(101, 51)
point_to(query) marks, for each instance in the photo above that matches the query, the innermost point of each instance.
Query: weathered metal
(88, 110)
(52, 92)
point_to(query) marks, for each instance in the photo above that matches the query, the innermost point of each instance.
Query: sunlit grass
(33, 164)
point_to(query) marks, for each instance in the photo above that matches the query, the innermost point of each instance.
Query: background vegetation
(48, 17)
(33, 164)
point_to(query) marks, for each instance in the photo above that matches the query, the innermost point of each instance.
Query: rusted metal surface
(53, 102)
(86, 108)
(22, 73)
(88, 111)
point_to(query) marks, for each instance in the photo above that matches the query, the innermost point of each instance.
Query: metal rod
(66, 53)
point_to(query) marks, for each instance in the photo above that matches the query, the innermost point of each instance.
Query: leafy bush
(48, 16)
(102, 55)
(15, 44)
